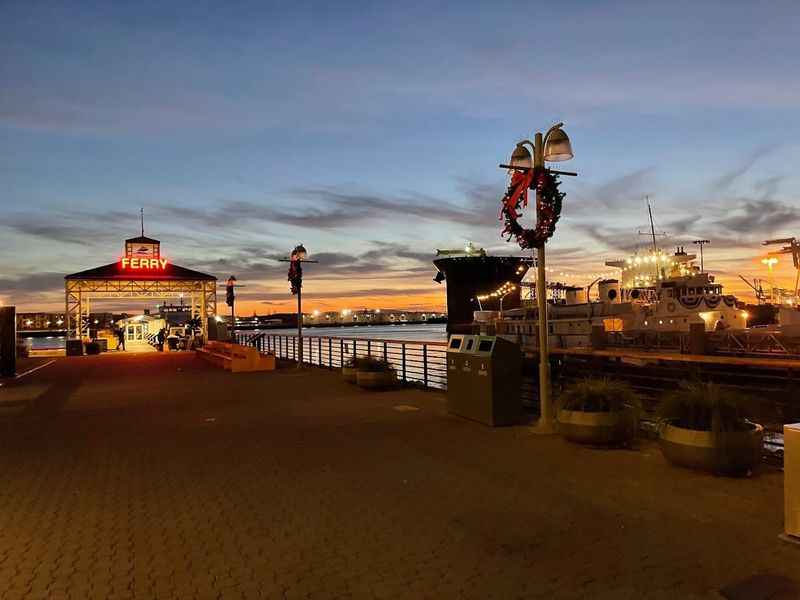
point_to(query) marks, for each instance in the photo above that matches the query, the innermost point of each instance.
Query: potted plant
(702, 426)
(599, 411)
(374, 373)
(350, 368)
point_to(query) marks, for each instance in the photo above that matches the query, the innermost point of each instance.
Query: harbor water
(418, 332)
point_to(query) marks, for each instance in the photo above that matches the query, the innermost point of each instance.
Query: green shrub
(374, 365)
(704, 407)
(599, 395)
(354, 362)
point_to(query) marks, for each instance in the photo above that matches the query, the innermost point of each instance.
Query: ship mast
(652, 225)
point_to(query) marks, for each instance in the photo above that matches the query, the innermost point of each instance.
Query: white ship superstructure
(656, 293)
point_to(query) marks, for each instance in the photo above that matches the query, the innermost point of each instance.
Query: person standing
(161, 337)
(121, 339)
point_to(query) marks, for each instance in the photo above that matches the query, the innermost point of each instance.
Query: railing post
(341, 352)
(369, 349)
(425, 365)
(403, 345)
(355, 348)
(319, 350)
(330, 353)
(385, 353)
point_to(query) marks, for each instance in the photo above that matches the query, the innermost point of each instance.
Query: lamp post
(770, 261)
(230, 300)
(553, 146)
(295, 260)
(701, 243)
(501, 301)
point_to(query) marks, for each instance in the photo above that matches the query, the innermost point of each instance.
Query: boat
(656, 294)
(478, 282)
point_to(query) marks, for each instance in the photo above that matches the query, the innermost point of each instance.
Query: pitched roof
(142, 239)
(114, 271)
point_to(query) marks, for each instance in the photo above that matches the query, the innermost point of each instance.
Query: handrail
(420, 362)
(357, 339)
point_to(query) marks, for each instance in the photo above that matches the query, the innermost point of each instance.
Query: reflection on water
(435, 332)
(50, 342)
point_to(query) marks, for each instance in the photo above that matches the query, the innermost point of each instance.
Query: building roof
(114, 272)
(142, 239)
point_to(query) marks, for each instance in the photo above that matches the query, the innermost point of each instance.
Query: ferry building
(142, 273)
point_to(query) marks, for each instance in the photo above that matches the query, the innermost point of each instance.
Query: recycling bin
(484, 379)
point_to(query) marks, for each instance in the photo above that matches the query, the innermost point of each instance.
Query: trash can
(172, 343)
(458, 383)
(484, 378)
(74, 347)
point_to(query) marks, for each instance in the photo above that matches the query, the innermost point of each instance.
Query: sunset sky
(371, 133)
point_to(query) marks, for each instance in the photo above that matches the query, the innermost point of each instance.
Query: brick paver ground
(157, 476)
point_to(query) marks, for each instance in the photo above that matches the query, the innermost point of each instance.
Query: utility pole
(701, 243)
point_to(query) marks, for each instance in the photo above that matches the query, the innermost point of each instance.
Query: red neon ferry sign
(143, 264)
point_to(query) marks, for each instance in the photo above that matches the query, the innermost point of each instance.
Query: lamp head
(299, 252)
(557, 147)
(521, 157)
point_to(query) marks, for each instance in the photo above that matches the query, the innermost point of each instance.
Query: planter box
(349, 374)
(373, 380)
(598, 428)
(727, 452)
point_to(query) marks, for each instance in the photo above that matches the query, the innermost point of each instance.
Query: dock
(161, 476)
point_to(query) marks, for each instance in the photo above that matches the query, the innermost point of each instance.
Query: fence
(424, 363)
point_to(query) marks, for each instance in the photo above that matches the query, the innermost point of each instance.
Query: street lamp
(702, 243)
(298, 256)
(553, 146)
(770, 261)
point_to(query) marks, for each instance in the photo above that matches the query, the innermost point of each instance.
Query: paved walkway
(157, 476)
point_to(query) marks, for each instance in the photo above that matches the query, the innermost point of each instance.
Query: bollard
(791, 482)
(8, 341)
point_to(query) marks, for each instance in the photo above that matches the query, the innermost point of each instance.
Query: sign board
(142, 249)
(143, 264)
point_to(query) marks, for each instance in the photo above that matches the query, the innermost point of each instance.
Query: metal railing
(423, 363)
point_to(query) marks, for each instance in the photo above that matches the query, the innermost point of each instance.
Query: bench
(235, 357)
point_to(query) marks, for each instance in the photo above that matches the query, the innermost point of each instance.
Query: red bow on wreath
(549, 209)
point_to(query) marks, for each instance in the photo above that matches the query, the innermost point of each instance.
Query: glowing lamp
(557, 147)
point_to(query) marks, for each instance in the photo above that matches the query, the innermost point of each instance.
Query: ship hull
(467, 277)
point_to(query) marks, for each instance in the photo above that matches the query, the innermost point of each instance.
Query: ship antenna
(141, 216)
(652, 226)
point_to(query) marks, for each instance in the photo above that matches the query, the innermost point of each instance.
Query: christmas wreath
(549, 209)
(295, 276)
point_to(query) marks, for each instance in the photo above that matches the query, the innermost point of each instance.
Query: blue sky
(371, 132)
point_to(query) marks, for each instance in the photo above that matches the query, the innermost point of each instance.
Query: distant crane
(757, 288)
(790, 246)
